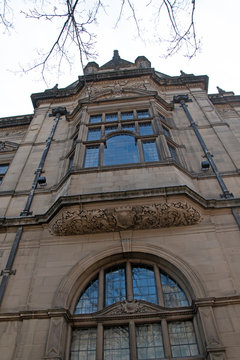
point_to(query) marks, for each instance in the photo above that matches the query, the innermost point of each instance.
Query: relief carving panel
(138, 217)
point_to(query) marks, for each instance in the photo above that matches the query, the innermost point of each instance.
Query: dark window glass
(172, 293)
(88, 301)
(116, 343)
(144, 287)
(83, 345)
(115, 286)
(166, 132)
(130, 127)
(182, 339)
(109, 129)
(127, 115)
(150, 151)
(3, 170)
(95, 119)
(146, 129)
(91, 156)
(120, 149)
(75, 140)
(172, 152)
(70, 162)
(149, 342)
(142, 114)
(161, 117)
(111, 117)
(94, 134)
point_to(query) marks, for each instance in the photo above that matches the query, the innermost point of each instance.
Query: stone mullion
(129, 281)
(158, 285)
(140, 150)
(101, 290)
(132, 340)
(166, 341)
(99, 350)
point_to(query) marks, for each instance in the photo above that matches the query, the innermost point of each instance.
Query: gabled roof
(116, 62)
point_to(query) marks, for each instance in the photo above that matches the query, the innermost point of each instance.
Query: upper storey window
(126, 137)
(3, 170)
(120, 149)
(95, 119)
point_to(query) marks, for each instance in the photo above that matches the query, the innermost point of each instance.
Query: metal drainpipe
(182, 99)
(57, 112)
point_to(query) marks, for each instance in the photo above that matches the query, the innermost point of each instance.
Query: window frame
(164, 316)
(121, 128)
(3, 174)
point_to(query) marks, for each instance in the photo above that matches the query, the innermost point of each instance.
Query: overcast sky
(217, 24)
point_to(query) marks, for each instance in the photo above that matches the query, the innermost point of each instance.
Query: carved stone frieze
(131, 307)
(8, 146)
(138, 217)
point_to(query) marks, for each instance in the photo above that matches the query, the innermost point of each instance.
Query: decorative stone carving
(55, 348)
(83, 221)
(8, 146)
(132, 307)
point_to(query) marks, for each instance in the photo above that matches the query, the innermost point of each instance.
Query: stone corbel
(214, 347)
(56, 342)
(76, 221)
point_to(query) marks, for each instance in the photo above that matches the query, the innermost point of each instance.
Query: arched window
(121, 149)
(134, 311)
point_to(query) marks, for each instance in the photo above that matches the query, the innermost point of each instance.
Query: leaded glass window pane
(3, 169)
(88, 301)
(166, 132)
(111, 117)
(144, 287)
(149, 342)
(115, 285)
(109, 129)
(70, 162)
(121, 149)
(91, 156)
(83, 345)
(127, 115)
(142, 114)
(146, 129)
(172, 152)
(116, 343)
(95, 119)
(182, 339)
(130, 127)
(150, 151)
(94, 134)
(172, 293)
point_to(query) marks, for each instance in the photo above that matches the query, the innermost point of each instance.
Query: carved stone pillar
(214, 347)
(56, 342)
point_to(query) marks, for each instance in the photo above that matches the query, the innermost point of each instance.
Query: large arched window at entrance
(121, 149)
(134, 311)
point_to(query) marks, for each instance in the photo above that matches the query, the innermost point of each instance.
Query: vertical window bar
(91, 156)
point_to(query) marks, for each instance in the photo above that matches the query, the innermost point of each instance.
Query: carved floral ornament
(137, 217)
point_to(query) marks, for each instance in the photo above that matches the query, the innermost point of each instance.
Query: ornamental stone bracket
(76, 221)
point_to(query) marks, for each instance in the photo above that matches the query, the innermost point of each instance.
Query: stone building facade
(120, 219)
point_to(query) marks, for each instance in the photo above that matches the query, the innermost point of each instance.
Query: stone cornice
(11, 121)
(75, 200)
(224, 99)
(57, 94)
(125, 308)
